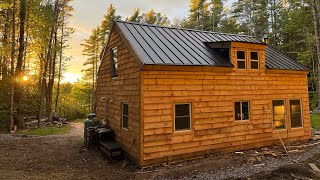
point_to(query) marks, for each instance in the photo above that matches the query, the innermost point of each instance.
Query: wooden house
(172, 93)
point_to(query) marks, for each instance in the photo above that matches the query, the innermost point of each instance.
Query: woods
(33, 41)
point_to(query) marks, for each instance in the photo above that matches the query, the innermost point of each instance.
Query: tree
(135, 17)
(155, 18)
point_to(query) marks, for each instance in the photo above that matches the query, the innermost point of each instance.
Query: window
(182, 119)
(125, 112)
(241, 110)
(114, 62)
(295, 113)
(241, 59)
(279, 114)
(254, 60)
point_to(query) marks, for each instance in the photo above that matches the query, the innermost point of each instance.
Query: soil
(64, 157)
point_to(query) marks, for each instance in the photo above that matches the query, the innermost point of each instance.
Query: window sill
(183, 132)
(114, 78)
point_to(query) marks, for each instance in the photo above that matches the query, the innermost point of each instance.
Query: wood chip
(239, 152)
(314, 167)
(274, 154)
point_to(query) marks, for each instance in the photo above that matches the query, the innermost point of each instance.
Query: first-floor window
(241, 110)
(182, 119)
(295, 113)
(125, 113)
(279, 114)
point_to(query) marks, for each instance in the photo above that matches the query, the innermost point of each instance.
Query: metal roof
(177, 46)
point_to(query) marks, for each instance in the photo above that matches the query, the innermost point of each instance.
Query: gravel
(267, 165)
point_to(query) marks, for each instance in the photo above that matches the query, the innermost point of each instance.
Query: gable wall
(212, 92)
(124, 88)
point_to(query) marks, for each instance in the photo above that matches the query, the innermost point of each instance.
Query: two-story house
(175, 93)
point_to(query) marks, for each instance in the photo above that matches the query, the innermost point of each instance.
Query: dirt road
(64, 157)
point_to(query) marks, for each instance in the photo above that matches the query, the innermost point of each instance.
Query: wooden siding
(212, 95)
(124, 88)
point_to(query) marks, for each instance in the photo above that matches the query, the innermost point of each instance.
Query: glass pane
(182, 123)
(125, 122)
(295, 113)
(279, 114)
(114, 62)
(241, 65)
(254, 65)
(182, 110)
(278, 106)
(237, 111)
(125, 109)
(279, 121)
(245, 110)
(254, 56)
(241, 55)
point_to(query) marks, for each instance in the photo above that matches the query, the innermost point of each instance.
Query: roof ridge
(196, 30)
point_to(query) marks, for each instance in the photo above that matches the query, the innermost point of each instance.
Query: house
(175, 93)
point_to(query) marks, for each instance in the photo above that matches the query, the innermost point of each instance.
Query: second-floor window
(114, 62)
(241, 59)
(254, 60)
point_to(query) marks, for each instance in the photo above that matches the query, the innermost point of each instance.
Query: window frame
(301, 113)
(234, 111)
(174, 118)
(114, 65)
(122, 115)
(242, 60)
(285, 114)
(253, 60)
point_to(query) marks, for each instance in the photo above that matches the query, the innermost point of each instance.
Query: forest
(34, 36)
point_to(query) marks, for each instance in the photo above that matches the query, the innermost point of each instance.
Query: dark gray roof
(277, 60)
(177, 46)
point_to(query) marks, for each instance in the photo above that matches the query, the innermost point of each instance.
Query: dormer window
(254, 60)
(114, 62)
(241, 59)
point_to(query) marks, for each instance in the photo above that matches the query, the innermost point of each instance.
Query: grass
(315, 121)
(46, 131)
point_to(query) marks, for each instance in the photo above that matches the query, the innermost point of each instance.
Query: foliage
(315, 121)
(46, 131)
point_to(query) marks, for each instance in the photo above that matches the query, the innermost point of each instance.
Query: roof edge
(152, 25)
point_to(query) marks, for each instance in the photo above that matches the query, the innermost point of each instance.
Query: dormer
(247, 57)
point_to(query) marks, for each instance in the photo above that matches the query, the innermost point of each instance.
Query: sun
(70, 78)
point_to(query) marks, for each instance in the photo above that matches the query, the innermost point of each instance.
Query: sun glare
(71, 78)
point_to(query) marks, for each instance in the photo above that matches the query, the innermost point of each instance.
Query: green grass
(315, 121)
(46, 131)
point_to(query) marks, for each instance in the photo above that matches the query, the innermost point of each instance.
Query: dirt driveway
(63, 157)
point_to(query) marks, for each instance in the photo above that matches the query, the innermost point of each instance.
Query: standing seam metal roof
(176, 46)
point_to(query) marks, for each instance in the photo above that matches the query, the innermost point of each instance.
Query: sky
(88, 14)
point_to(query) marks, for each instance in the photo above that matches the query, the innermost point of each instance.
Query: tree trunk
(60, 57)
(19, 73)
(13, 46)
(47, 61)
(316, 15)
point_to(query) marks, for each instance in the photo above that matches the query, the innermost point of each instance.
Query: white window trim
(255, 60)
(122, 105)
(244, 60)
(285, 115)
(113, 63)
(301, 112)
(174, 118)
(249, 109)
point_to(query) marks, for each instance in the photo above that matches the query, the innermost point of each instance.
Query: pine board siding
(123, 89)
(212, 92)
(212, 96)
